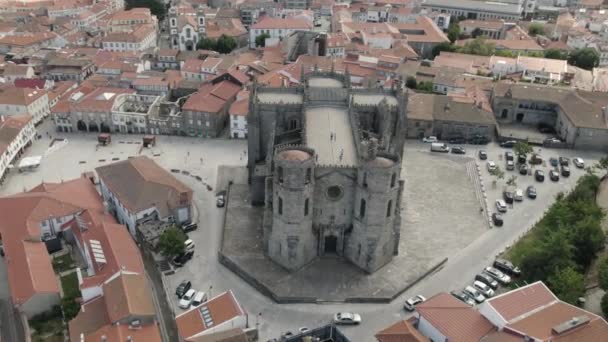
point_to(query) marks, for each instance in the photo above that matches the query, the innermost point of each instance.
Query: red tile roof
(401, 331)
(279, 23)
(221, 308)
(19, 96)
(212, 98)
(30, 83)
(240, 107)
(519, 302)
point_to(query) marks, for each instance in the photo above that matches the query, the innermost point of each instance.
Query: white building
(140, 39)
(19, 101)
(186, 29)
(277, 28)
(16, 133)
(238, 115)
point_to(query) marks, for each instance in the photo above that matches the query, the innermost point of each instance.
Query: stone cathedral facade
(325, 161)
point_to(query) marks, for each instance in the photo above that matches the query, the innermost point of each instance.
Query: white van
(199, 298)
(439, 147)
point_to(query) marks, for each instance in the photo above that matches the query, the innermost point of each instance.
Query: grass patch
(63, 263)
(47, 326)
(69, 284)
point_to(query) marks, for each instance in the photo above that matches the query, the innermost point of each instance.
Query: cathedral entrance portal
(331, 244)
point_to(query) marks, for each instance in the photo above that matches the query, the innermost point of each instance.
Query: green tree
(522, 148)
(535, 29)
(587, 238)
(498, 172)
(206, 44)
(603, 165)
(478, 46)
(604, 304)
(586, 58)
(70, 307)
(453, 31)
(445, 46)
(225, 44)
(555, 54)
(171, 242)
(156, 7)
(602, 270)
(425, 86)
(505, 53)
(567, 284)
(410, 82)
(260, 41)
(543, 258)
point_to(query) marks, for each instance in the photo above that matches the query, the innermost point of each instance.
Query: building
(474, 9)
(328, 190)
(126, 21)
(138, 190)
(69, 69)
(492, 29)
(139, 39)
(13, 72)
(219, 314)
(579, 117)
(401, 331)
(166, 59)
(31, 42)
(297, 4)
(423, 35)
(277, 28)
(238, 115)
(16, 133)
(20, 101)
(186, 29)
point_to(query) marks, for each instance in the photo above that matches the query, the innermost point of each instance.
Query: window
(306, 207)
(308, 175)
(280, 174)
(188, 32)
(365, 180)
(362, 208)
(280, 206)
(393, 180)
(389, 208)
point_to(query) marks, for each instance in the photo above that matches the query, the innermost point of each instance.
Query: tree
(206, 44)
(522, 148)
(410, 82)
(602, 271)
(512, 181)
(498, 172)
(478, 46)
(505, 53)
(604, 304)
(568, 285)
(425, 86)
(586, 58)
(70, 307)
(225, 44)
(260, 41)
(156, 7)
(555, 54)
(445, 46)
(587, 238)
(171, 242)
(453, 31)
(603, 164)
(546, 256)
(535, 29)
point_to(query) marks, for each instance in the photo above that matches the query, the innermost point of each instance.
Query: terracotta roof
(454, 319)
(279, 23)
(211, 98)
(139, 183)
(92, 316)
(27, 39)
(221, 308)
(424, 30)
(240, 107)
(132, 14)
(31, 83)
(485, 24)
(10, 128)
(168, 52)
(19, 96)
(128, 295)
(100, 100)
(401, 331)
(135, 36)
(16, 69)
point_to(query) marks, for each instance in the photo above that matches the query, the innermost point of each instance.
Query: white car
(347, 318)
(186, 300)
(578, 162)
(412, 302)
(518, 195)
(501, 206)
(430, 139)
(471, 291)
(497, 275)
(189, 245)
(491, 166)
(510, 165)
(483, 288)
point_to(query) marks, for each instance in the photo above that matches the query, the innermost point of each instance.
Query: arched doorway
(81, 126)
(189, 45)
(93, 127)
(504, 114)
(519, 117)
(104, 128)
(331, 244)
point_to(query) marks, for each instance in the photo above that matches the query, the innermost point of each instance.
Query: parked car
(189, 227)
(182, 288)
(457, 140)
(553, 161)
(182, 259)
(458, 150)
(199, 298)
(486, 279)
(491, 166)
(531, 192)
(482, 287)
(220, 200)
(460, 295)
(475, 294)
(508, 155)
(510, 165)
(578, 162)
(497, 219)
(186, 300)
(518, 195)
(479, 140)
(508, 196)
(564, 161)
(554, 175)
(507, 267)
(189, 244)
(497, 275)
(286, 335)
(411, 303)
(303, 330)
(565, 171)
(523, 169)
(508, 143)
(347, 318)
(552, 141)
(430, 139)
(521, 159)
(483, 155)
(539, 175)
(501, 206)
